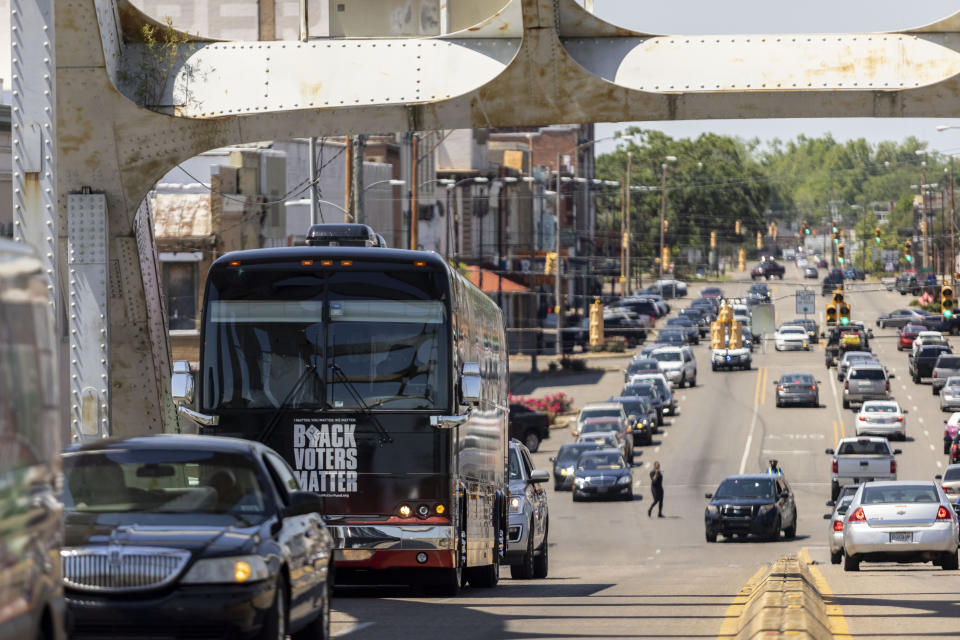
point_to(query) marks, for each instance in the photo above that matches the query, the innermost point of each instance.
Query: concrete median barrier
(784, 600)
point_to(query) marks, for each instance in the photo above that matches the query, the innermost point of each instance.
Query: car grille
(120, 568)
(737, 512)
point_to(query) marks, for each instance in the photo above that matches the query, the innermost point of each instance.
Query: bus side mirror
(181, 384)
(470, 383)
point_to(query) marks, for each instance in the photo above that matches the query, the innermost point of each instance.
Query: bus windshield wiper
(285, 404)
(383, 437)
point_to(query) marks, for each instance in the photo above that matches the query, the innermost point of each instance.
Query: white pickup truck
(861, 459)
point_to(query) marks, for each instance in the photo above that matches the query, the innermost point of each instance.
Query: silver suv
(529, 520)
(678, 364)
(865, 382)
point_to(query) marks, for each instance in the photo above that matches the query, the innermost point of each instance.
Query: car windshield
(870, 407)
(514, 465)
(612, 412)
(796, 378)
(645, 390)
(951, 474)
(171, 481)
(600, 426)
(953, 362)
(642, 365)
(864, 448)
(867, 374)
(953, 381)
(745, 488)
(667, 356)
(797, 330)
(598, 461)
(886, 494)
(570, 453)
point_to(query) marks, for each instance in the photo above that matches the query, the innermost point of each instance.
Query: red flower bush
(551, 404)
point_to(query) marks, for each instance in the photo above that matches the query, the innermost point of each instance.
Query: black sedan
(565, 463)
(759, 504)
(797, 388)
(192, 535)
(674, 336)
(687, 325)
(641, 417)
(602, 474)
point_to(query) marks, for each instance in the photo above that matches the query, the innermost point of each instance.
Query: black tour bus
(381, 376)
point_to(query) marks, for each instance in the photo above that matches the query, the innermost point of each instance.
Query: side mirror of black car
(827, 516)
(831, 503)
(829, 452)
(785, 493)
(897, 452)
(823, 335)
(303, 502)
(938, 477)
(708, 496)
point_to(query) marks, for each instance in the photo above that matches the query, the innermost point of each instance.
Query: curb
(784, 601)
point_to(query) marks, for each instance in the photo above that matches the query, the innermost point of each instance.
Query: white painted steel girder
(534, 62)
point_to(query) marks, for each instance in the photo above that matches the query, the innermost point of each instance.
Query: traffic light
(840, 252)
(834, 229)
(806, 228)
(947, 302)
(908, 250)
(759, 240)
(550, 265)
(596, 324)
(665, 257)
(742, 259)
(844, 314)
(713, 239)
(831, 313)
(836, 238)
(666, 226)
(736, 227)
(877, 234)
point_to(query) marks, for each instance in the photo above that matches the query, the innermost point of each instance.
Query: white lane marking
(920, 420)
(932, 448)
(926, 433)
(904, 387)
(363, 625)
(836, 405)
(658, 551)
(666, 433)
(647, 465)
(939, 465)
(636, 485)
(797, 452)
(909, 397)
(656, 449)
(753, 426)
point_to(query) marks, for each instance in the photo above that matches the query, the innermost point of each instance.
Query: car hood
(740, 502)
(83, 529)
(670, 364)
(600, 473)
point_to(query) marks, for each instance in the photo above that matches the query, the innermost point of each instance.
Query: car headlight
(623, 480)
(765, 509)
(580, 482)
(566, 471)
(516, 503)
(712, 509)
(235, 569)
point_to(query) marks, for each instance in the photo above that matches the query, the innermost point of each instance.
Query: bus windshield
(280, 335)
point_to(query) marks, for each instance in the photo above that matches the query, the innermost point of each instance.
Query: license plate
(901, 536)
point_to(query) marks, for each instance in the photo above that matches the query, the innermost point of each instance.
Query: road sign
(806, 301)
(889, 255)
(762, 319)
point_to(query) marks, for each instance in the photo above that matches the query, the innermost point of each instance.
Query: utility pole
(953, 227)
(663, 209)
(500, 221)
(312, 140)
(626, 219)
(347, 180)
(923, 210)
(356, 178)
(533, 252)
(413, 192)
(558, 286)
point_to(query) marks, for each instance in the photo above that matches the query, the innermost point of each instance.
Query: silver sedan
(900, 521)
(797, 388)
(836, 526)
(950, 394)
(882, 418)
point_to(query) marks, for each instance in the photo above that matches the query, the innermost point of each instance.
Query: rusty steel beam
(124, 118)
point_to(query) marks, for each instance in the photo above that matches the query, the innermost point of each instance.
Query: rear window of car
(932, 352)
(868, 374)
(601, 426)
(953, 362)
(797, 378)
(633, 407)
(570, 452)
(879, 408)
(952, 474)
(899, 493)
(864, 448)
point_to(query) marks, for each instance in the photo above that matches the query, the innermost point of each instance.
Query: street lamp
(392, 182)
(668, 160)
(953, 208)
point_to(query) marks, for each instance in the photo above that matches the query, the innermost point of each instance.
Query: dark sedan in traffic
(759, 504)
(797, 388)
(602, 474)
(173, 536)
(565, 463)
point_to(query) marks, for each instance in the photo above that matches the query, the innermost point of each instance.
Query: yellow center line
(731, 619)
(843, 433)
(836, 440)
(763, 387)
(838, 623)
(756, 391)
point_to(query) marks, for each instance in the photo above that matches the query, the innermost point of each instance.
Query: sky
(694, 17)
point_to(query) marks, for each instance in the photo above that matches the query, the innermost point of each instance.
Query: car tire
(531, 440)
(775, 532)
(711, 537)
(682, 383)
(880, 324)
(524, 570)
(629, 496)
(949, 561)
(834, 490)
(916, 379)
(851, 563)
(779, 404)
(946, 447)
(791, 531)
(319, 627)
(693, 382)
(934, 391)
(846, 403)
(576, 495)
(275, 622)
(835, 558)
(541, 563)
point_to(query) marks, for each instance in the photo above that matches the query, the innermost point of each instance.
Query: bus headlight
(405, 511)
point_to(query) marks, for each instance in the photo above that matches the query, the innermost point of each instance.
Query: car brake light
(863, 418)
(899, 418)
(835, 466)
(846, 385)
(943, 513)
(779, 387)
(888, 385)
(934, 374)
(857, 516)
(838, 525)
(893, 466)
(813, 387)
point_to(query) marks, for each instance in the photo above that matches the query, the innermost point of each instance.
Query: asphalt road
(616, 573)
